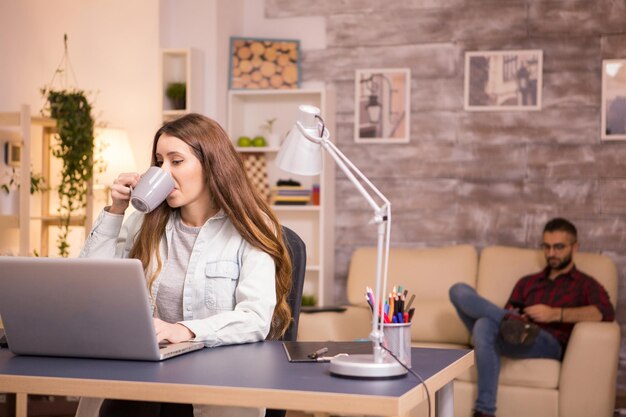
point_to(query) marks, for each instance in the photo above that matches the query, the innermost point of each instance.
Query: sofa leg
(444, 404)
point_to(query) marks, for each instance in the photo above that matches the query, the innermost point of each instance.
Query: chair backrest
(297, 252)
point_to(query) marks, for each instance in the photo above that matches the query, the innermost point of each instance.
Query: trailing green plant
(9, 181)
(75, 148)
(37, 182)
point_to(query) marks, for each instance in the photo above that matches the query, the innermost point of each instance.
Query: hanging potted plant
(71, 110)
(75, 148)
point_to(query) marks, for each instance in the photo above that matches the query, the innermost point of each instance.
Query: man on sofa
(539, 316)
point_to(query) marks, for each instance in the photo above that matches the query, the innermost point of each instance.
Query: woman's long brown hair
(231, 191)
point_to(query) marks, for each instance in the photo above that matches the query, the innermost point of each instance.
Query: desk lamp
(302, 154)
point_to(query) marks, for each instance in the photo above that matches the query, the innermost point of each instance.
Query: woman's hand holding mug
(121, 191)
(145, 192)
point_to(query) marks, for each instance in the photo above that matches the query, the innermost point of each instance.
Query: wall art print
(503, 80)
(614, 99)
(382, 105)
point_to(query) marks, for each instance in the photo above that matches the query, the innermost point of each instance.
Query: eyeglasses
(556, 246)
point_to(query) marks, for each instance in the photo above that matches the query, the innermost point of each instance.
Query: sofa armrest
(589, 370)
(354, 323)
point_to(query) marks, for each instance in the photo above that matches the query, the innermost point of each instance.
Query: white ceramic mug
(152, 189)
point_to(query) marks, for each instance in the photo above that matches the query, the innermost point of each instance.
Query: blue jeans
(482, 318)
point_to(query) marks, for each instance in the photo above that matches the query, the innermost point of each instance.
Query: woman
(216, 265)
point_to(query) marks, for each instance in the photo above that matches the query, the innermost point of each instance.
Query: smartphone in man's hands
(519, 306)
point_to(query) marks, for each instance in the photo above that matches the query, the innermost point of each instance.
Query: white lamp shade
(116, 153)
(299, 154)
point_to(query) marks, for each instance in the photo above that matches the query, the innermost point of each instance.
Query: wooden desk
(252, 375)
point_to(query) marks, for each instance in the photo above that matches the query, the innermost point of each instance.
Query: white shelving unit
(177, 66)
(248, 110)
(33, 228)
(16, 127)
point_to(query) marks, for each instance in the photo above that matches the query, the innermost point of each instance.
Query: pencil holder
(398, 340)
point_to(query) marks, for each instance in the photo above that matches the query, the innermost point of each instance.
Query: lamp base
(363, 366)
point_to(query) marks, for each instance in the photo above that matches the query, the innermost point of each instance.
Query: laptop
(91, 308)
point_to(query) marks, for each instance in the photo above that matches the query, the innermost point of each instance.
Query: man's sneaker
(481, 414)
(518, 330)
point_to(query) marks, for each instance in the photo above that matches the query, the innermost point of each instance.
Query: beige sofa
(583, 385)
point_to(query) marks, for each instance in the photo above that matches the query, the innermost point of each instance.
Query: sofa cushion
(532, 373)
(436, 321)
(426, 272)
(501, 267)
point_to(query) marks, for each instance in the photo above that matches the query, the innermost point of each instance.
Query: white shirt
(229, 290)
(169, 303)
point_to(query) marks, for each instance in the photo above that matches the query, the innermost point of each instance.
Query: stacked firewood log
(264, 64)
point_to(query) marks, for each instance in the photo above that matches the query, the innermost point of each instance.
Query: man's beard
(563, 264)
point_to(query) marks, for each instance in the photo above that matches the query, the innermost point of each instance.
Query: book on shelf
(289, 195)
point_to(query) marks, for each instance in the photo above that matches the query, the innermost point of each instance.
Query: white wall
(207, 25)
(311, 31)
(113, 49)
(204, 26)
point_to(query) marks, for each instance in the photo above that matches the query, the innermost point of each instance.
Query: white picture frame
(613, 99)
(382, 105)
(503, 80)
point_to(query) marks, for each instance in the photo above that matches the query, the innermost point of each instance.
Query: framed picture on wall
(614, 99)
(12, 153)
(257, 63)
(382, 105)
(503, 80)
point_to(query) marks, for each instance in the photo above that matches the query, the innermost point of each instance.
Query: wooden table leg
(444, 405)
(21, 404)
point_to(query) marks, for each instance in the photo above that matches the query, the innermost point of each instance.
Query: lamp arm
(382, 217)
(348, 168)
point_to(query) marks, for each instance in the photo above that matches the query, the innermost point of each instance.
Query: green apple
(259, 141)
(244, 141)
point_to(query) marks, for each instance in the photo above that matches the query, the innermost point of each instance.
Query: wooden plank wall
(481, 178)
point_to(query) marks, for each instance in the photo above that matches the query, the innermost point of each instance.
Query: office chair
(297, 252)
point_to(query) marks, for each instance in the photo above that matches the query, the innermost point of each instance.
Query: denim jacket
(229, 291)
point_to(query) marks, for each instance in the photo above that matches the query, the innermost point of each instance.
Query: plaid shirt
(573, 289)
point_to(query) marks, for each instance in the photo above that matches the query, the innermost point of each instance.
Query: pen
(328, 358)
(317, 353)
(411, 312)
(408, 306)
